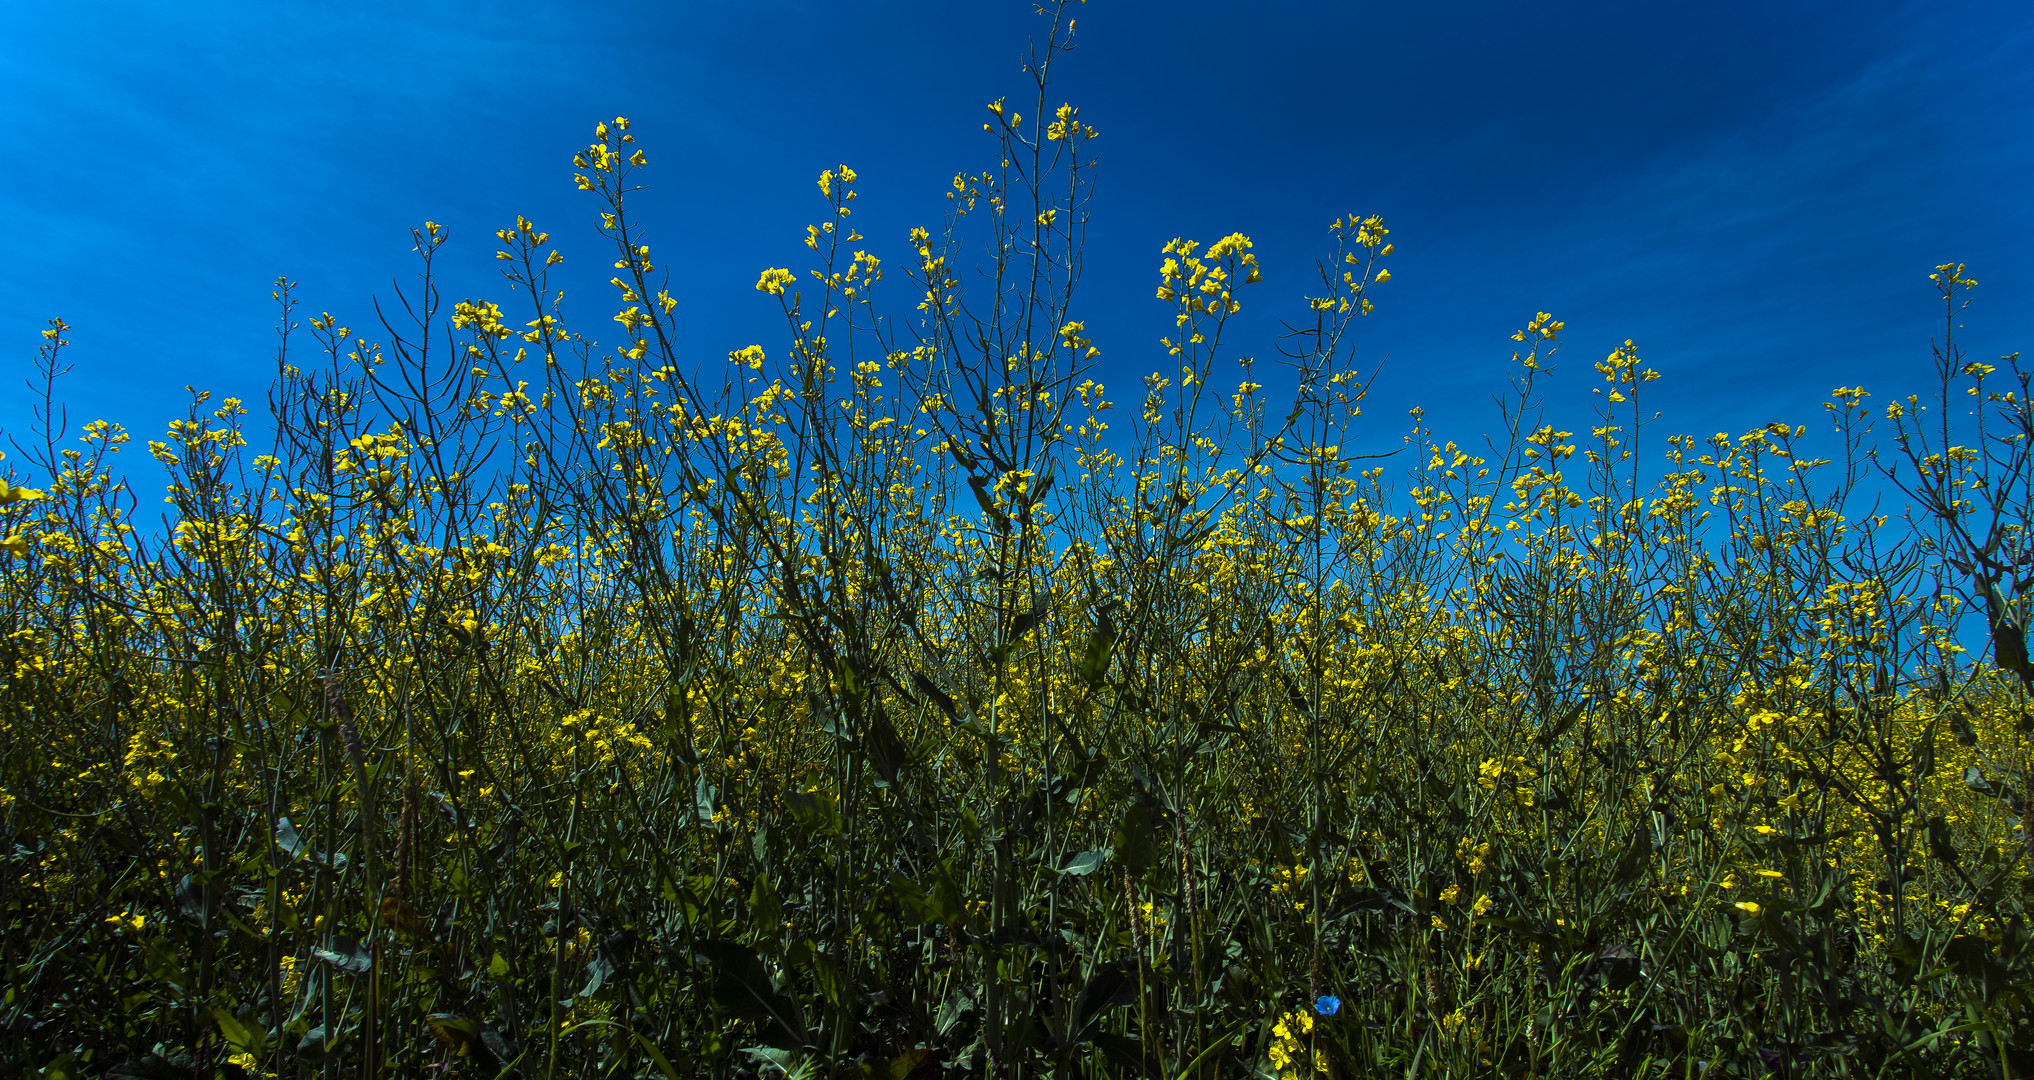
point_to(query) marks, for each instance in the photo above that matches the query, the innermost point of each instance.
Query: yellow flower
(1749, 907)
(13, 494)
(1234, 242)
(773, 281)
(127, 920)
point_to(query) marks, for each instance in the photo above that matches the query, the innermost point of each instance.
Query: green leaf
(163, 967)
(939, 697)
(766, 911)
(743, 988)
(287, 839)
(1137, 837)
(825, 972)
(245, 1037)
(1095, 664)
(1553, 731)
(884, 749)
(940, 902)
(1939, 845)
(1924, 751)
(1023, 623)
(317, 1043)
(704, 799)
(1042, 485)
(919, 1064)
(784, 1062)
(454, 1029)
(1111, 987)
(1084, 863)
(951, 1010)
(988, 503)
(813, 813)
(596, 973)
(350, 956)
(1960, 724)
(1983, 785)
(663, 1063)
(851, 684)
(678, 725)
(1215, 1045)
(195, 897)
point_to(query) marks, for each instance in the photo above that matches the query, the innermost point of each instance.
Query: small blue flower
(1327, 1004)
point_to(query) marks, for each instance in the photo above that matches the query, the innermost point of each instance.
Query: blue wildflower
(1327, 1004)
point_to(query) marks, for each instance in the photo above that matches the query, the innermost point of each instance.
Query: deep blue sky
(1755, 192)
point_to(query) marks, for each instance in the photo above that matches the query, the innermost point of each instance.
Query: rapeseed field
(894, 702)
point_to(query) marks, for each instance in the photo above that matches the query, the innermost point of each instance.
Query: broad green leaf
(246, 1037)
(742, 986)
(1083, 863)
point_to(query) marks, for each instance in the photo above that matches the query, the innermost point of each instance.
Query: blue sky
(1755, 192)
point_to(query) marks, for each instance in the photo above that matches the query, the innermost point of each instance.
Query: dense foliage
(535, 708)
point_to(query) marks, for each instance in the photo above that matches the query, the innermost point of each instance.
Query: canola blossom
(885, 702)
